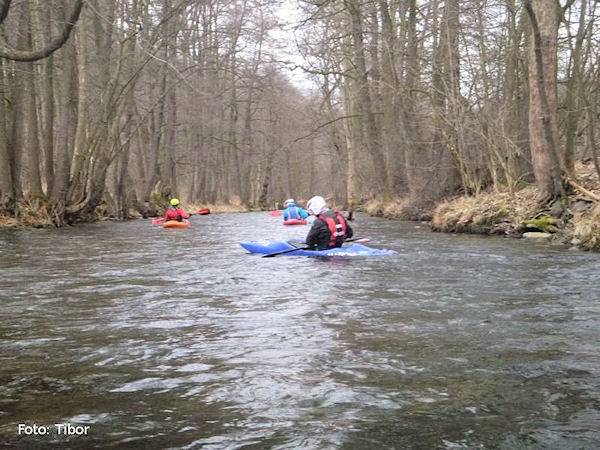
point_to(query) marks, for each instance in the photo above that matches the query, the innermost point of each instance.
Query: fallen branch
(583, 190)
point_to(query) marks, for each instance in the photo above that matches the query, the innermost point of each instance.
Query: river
(145, 337)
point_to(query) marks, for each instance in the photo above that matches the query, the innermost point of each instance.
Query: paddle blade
(157, 221)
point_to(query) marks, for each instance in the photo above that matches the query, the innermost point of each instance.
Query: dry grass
(30, 214)
(233, 206)
(490, 213)
(587, 230)
(218, 208)
(9, 222)
(374, 207)
(396, 208)
(486, 213)
(402, 208)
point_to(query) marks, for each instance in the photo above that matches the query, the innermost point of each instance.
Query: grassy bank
(573, 220)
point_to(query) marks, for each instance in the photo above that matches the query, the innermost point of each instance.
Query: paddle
(308, 248)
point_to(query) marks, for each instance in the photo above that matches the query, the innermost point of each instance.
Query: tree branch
(583, 190)
(35, 55)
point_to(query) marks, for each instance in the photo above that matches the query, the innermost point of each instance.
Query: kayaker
(175, 212)
(292, 211)
(330, 229)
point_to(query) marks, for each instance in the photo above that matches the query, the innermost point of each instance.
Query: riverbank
(35, 214)
(574, 220)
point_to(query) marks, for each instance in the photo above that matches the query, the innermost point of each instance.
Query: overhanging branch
(35, 55)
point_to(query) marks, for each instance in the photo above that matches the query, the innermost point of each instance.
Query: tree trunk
(574, 92)
(156, 129)
(449, 107)
(7, 192)
(393, 135)
(364, 105)
(32, 179)
(47, 98)
(67, 112)
(515, 99)
(409, 114)
(543, 131)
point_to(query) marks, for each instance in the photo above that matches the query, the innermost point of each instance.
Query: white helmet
(288, 201)
(316, 205)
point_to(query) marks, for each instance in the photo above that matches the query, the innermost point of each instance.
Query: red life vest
(337, 229)
(175, 214)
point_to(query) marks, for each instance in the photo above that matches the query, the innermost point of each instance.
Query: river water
(159, 338)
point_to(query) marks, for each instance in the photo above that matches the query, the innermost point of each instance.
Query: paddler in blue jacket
(330, 229)
(292, 211)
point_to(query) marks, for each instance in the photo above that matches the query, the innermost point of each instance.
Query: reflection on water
(180, 339)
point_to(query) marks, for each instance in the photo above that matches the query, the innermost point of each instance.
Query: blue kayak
(346, 250)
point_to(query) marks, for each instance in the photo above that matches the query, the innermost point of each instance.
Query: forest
(109, 107)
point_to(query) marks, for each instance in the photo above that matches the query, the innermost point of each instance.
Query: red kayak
(176, 224)
(295, 222)
(203, 211)
(276, 213)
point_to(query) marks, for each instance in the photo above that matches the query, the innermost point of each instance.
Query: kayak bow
(176, 224)
(295, 222)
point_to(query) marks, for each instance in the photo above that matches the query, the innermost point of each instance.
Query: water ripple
(162, 339)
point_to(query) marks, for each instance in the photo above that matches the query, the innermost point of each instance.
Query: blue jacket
(294, 212)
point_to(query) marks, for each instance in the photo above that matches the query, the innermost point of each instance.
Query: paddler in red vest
(175, 212)
(330, 229)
